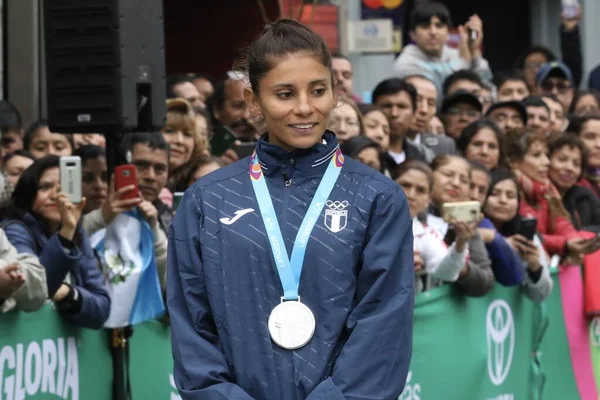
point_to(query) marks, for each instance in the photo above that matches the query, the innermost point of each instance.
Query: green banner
(464, 348)
(42, 357)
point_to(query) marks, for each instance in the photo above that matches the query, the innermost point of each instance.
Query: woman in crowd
(182, 134)
(568, 160)
(43, 222)
(502, 208)
(14, 164)
(346, 120)
(435, 262)
(505, 262)
(526, 152)
(451, 184)
(40, 142)
(194, 170)
(365, 150)
(348, 286)
(376, 125)
(585, 102)
(587, 128)
(94, 176)
(483, 142)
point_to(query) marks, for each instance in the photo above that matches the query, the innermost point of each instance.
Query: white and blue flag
(126, 248)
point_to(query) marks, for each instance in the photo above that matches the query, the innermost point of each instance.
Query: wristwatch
(71, 304)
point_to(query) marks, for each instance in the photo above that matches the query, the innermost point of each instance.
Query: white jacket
(441, 262)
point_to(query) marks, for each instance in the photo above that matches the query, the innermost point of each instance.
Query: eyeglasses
(561, 87)
(456, 112)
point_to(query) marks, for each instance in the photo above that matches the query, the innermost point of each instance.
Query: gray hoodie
(34, 292)
(413, 61)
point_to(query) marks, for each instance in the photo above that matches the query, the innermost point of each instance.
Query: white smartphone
(465, 211)
(70, 178)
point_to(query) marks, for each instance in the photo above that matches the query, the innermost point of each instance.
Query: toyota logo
(500, 330)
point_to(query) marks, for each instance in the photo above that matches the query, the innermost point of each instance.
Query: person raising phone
(502, 208)
(334, 320)
(527, 151)
(43, 222)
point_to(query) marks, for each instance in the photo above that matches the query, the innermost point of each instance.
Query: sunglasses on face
(561, 87)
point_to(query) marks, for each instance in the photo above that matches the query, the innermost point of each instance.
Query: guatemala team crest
(336, 215)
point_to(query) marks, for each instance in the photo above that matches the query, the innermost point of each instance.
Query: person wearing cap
(538, 114)
(556, 78)
(508, 115)
(459, 110)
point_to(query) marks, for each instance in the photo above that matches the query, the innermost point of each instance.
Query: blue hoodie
(81, 262)
(358, 281)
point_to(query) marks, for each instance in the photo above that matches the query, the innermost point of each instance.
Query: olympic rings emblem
(337, 205)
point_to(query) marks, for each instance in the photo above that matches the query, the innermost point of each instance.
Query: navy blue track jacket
(357, 279)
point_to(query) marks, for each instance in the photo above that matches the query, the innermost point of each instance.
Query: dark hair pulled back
(285, 36)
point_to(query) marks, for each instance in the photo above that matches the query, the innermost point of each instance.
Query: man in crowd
(430, 56)
(556, 78)
(227, 107)
(204, 84)
(11, 129)
(398, 101)
(459, 110)
(508, 115)
(150, 156)
(538, 114)
(465, 80)
(427, 97)
(182, 87)
(342, 75)
(511, 86)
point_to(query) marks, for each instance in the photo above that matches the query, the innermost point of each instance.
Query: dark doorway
(506, 27)
(207, 38)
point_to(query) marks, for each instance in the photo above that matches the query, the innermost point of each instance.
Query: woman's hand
(528, 251)
(115, 206)
(70, 214)
(61, 293)
(464, 233)
(11, 280)
(149, 212)
(419, 262)
(583, 246)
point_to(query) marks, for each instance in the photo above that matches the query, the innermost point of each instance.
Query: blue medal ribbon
(290, 269)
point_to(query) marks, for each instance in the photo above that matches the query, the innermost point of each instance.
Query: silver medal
(291, 325)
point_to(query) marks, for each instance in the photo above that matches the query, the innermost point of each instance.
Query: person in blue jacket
(506, 263)
(290, 273)
(42, 221)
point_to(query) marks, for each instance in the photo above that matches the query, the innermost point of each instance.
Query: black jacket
(570, 47)
(412, 153)
(584, 208)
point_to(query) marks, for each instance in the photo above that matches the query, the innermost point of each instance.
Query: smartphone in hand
(70, 178)
(528, 228)
(125, 175)
(223, 139)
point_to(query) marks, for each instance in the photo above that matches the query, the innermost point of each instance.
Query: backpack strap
(8, 222)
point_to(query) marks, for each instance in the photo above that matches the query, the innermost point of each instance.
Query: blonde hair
(181, 116)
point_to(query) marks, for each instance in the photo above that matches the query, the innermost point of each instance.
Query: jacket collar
(276, 161)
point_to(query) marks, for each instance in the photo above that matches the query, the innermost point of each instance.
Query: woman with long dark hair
(42, 221)
(291, 272)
